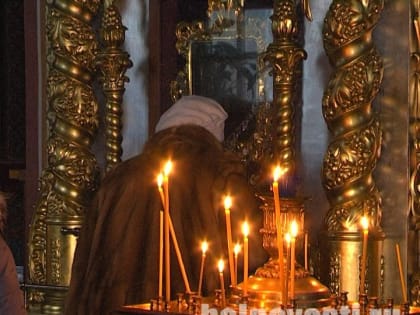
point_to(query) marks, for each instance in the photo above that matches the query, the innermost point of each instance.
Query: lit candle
(179, 257)
(161, 228)
(221, 266)
(276, 175)
(160, 183)
(160, 253)
(293, 233)
(228, 205)
(167, 170)
(306, 250)
(287, 239)
(364, 221)
(204, 247)
(400, 270)
(245, 231)
(236, 251)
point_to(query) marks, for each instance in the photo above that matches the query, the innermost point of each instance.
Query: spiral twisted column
(68, 181)
(285, 56)
(112, 63)
(415, 149)
(354, 148)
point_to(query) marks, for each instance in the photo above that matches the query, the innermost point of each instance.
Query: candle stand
(339, 305)
(265, 286)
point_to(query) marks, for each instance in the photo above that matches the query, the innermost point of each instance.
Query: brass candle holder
(264, 289)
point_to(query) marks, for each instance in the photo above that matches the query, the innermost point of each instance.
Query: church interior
(328, 89)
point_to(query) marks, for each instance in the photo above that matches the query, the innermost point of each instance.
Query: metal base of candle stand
(264, 288)
(266, 292)
(340, 262)
(144, 309)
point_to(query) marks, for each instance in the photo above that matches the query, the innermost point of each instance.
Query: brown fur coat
(116, 260)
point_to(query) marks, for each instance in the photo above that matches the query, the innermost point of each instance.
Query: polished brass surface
(70, 178)
(285, 55)
(344, 252)
(291, 209)
(112, 63)
(355, 147)
(265, 286)
(356, 141)
(265, 293)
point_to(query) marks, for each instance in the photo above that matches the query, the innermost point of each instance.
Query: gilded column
(285, 56)
(355, 144)
(415, 155)
(112, 63)
(68, 181)
(275, 142)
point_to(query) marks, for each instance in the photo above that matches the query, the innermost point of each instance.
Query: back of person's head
(3, 212)
(195, 110)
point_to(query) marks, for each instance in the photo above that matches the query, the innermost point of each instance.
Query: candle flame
(168, 167)
(237, 249)
(294, 229)
(228, 202)
(288, 238)
(160, 180)
(364, 222)
(245, 229)
(204, 247)
(221, 265)
(277, 173)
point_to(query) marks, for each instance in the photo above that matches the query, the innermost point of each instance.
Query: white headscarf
(196, 110)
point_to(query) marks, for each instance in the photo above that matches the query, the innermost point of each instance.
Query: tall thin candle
(365, 226)
(400, 270)
(160, 253)
(306, 250)
(160, 183)
(228, 205)
(221, 266)
(236, 250)
(179, 257)
(287, 239)
(204, 247)
(276, 175)
(167, 170)
(245, 231)
(293, 233)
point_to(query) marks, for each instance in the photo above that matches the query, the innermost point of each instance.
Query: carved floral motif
(70, 177)
(355, 146)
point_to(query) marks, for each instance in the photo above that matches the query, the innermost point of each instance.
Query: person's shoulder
(134, 171)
